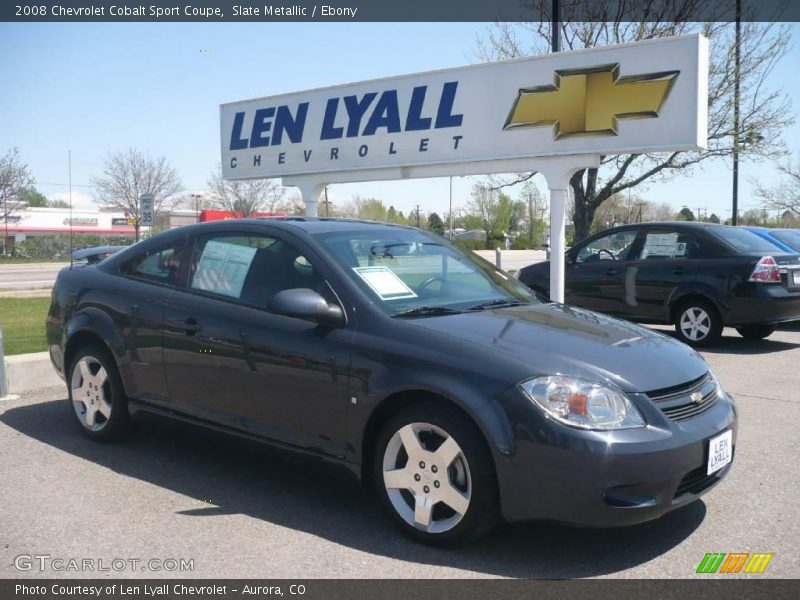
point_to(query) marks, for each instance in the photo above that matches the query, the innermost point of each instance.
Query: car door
(148, 279)
(595, 271)
(668, 258)
(231, 361)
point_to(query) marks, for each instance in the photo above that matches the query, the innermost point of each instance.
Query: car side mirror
(304, 303)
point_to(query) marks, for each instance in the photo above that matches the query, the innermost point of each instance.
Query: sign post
(555, 114)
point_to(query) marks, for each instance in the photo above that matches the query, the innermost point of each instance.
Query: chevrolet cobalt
(423, 369)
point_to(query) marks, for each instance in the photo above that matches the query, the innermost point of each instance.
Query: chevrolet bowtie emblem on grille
(696, 397)
(590, 101)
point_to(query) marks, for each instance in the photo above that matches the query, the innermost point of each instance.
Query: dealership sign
(644, 97)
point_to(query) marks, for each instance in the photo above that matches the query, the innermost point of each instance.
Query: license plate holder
(720, 451)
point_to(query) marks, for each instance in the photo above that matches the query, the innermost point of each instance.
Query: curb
(30, 372)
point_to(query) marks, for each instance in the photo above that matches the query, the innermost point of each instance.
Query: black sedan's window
(668, 244)
(743, 240)
(251, 268)
(161, 265)
(614, 246)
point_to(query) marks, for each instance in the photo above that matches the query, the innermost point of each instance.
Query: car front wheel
(756, 332)
(96, 395)
(697, 323)
(435, 475)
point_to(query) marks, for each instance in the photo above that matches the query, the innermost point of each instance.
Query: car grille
(696, 481)
(676, 402)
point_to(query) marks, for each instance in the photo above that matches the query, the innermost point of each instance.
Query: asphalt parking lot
(239, 509)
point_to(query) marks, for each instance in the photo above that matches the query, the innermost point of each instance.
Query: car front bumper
(607, 479)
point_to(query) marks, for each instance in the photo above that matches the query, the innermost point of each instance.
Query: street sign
(146, 212)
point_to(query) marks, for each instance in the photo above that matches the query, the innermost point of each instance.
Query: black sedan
(422, 369)
(700, 277)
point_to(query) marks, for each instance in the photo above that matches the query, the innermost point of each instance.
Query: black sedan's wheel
(96, 394)
(435, 475)
(756, 332)
(697, 323)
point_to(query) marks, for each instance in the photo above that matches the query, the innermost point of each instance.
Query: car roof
(314, 225)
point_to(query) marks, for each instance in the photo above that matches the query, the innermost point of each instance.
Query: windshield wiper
(498, 303)
(427, 311)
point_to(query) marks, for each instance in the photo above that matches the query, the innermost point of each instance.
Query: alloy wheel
(427, 477)
(91, 393)
(695, 323)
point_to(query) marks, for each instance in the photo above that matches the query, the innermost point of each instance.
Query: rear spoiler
(96, 254)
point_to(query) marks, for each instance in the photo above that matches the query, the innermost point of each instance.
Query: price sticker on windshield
(384, 282)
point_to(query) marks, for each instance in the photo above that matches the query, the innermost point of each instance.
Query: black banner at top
(396, 10)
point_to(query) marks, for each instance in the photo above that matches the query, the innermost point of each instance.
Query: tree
(435, 224)
(713, 218)
(15, 181)
(764, 111)
(129, 174)
(785, 195)
(535, 205)
(33, 198)
(492, 210)
(247, 197)
(370, 209)
(686, 214)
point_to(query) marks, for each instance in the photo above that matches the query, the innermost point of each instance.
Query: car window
(664, 244)
(162, 264)
(743, 240)
(614, 246)
(251, 268)
(790, 237)
(405, 269)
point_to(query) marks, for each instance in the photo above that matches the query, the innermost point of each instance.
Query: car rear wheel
(435, 475)
(756, 332)
(96, 395)
(697, 323)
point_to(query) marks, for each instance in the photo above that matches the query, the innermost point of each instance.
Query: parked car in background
(787, 240)
(421, 368)
(700, 277)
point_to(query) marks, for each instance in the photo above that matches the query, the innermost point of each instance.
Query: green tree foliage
(34, 199)
(435, 224)
(686, 214)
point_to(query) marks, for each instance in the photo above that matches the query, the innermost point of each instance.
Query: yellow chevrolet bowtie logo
(589, 101)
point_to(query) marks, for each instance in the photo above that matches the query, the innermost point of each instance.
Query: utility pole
(736, 76)
(556, 24)
(451, 209)
(327, 204)
(417, 216)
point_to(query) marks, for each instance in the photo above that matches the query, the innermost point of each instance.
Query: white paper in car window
(385, 283)
(222, 268)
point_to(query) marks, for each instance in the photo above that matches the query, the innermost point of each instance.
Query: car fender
(696, 288)
(97, 322)
(485, 412)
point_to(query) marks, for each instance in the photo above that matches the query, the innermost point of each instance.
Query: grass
(22, 322)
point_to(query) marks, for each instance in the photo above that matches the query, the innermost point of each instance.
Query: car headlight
(582, 404)
(720, 391)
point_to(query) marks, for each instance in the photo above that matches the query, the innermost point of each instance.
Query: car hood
(560, 339)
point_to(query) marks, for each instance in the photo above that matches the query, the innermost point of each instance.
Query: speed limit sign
(146, 215)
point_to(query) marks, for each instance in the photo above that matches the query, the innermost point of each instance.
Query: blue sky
(95, 88)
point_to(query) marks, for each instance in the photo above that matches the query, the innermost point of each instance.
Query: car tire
(697, 323)
(756, 332)
(96, 396)
(448, 494)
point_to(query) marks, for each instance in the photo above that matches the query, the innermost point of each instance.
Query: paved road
(29, 275)
(242, 510)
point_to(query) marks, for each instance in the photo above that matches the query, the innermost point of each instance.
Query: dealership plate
(720, 451)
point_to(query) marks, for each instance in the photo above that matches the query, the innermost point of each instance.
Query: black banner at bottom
(395, 589)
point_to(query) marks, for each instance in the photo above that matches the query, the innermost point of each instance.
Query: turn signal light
(766, 271)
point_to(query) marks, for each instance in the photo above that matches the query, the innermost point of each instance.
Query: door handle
(611, 272)
(189, 326)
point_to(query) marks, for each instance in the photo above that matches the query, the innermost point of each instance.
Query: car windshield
(790, 237)
(409, 272)
(743, 240)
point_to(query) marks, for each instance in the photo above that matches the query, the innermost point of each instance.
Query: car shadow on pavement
(237, 476)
